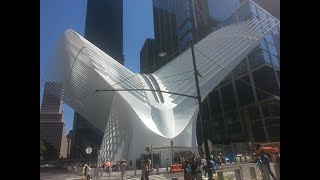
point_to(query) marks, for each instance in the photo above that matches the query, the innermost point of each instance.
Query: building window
(270, 39)
(262, 14)
(244, 12)
(240, 69)
(228, 98)
(226, 80)
(273, 50)
(275, 61)
(258, 57)
(216, 110)
(264, 45)
(244, 91)
(253, 9)
(265, 80)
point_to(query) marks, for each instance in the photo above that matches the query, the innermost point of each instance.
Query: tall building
(52, 126)
(84, 135)
(192, 21)
(272, 6)
(148, 60)
(245, 105)
(173, 31)
(104, 26)
(69, 141)
(104, 29)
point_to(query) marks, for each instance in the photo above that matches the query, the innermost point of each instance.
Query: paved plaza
(228, 171)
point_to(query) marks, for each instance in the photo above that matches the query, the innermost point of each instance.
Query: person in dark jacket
(265, 161)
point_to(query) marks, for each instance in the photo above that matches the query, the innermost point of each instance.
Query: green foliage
(43, 148)
(47, 151)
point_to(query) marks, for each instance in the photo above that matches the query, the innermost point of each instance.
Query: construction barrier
(176, 168)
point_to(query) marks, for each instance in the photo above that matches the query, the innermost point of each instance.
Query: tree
(50, 153)
(43, 148)
(47, 151)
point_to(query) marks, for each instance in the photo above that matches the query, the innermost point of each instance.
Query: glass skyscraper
(173, 31)
(104, 29)
(245, 106)
(104, 26)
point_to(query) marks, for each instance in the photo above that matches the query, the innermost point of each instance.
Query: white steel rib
(82, 68)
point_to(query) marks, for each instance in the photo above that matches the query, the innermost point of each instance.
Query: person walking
(108, 168)
(146, 170)
(265, 161)
(130, 164)
(187, 171)
(123, 168)
(193, 168)
(86, 171)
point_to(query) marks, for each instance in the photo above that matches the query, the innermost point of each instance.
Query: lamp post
(171, 143)
(204, 136)
(151, 156)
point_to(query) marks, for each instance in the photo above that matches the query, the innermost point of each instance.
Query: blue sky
(56, 16)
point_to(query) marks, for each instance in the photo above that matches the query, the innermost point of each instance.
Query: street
(228, 171)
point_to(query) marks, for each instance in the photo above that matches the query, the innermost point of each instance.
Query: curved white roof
(83, 68)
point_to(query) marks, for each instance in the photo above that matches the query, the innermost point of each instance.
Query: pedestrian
(219, 162)
(204, 167)
(193, 168)
(123, 168)
(265, 161)
(143, 170)
(130, 164)
(86, 171)
(145, 167)
(108, 167)
(187, 171)
(213, 165)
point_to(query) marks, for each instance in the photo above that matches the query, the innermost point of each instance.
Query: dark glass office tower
(104, 26)
(166, 38)
(192, 21)
(165, 31)
(104, 29)
(245, 106)
(173, 30)
(148, 63)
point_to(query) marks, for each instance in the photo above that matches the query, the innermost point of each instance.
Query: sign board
(89, 150)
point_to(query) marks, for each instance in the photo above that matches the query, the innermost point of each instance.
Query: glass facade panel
(263, 45)
(262, 14)
(275, 61)
(270, 39)
(273, 49)
(244, 12)
(258, 132)
(231, 20)
(226, 80)
(273, 125)
(258, 57)
(265, 80)
(244, 91)
(240, 69)
(266, 56)
(215, 103)
(253, 9)
(276, 36)
(228, 98)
